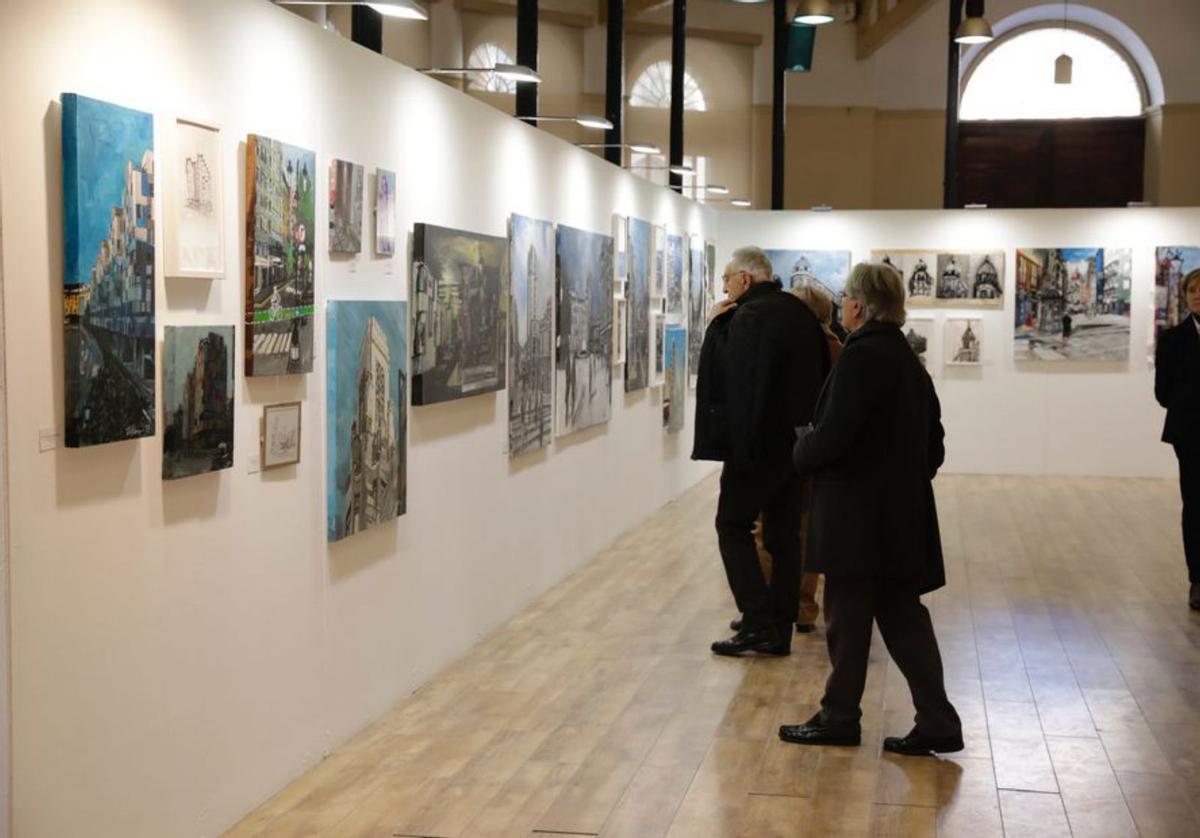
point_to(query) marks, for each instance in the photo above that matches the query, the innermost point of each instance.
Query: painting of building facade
(583, 377)
(460, 313)
(1171, 265)
(675, 258)
(964, 343)
(108, 282)
(697, 306)
(345, 206)
(197, 400)
(971, 279)
(826, 269)
(531, 336)
(637, 296)
(918, 331)
(195, 240)
(676, 374)
(280, 225)
(1072, 304)
(368, 422)
(385, 212)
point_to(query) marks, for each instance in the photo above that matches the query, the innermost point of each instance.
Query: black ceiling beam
(366, 28)
(527, 54)
(614, 84)
(678, 54)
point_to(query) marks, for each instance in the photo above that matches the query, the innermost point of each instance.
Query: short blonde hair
(818, 301)
(754, 261)
(880, 290)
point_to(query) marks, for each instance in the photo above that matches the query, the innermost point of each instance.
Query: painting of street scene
(531, 336)
(675, 389)
(367, 421)
(826, 269)
(583, 377)
(345, 206)
(697, 306)
(108, 282)
(675, 278)
(1171, 265)
(385, 212)
(279, 257)
(637, 295)
(963, 340)
(1072, 304)
(460, 313)
(197, 400)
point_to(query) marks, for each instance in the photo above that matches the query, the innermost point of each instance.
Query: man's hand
(720, 308)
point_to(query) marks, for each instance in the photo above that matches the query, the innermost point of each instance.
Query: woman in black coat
(1177, 388)
(872, 452)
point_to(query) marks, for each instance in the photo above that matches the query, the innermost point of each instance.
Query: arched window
(1014, 79)
(653, 89)
(489, 55)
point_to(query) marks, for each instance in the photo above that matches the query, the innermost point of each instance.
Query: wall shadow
(581, 437)
(189, 294)
(191, 498)
(357, 552)
(528, 460)
(437, 421)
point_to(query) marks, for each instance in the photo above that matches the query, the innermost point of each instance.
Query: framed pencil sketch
(280, 435)
(194, 235)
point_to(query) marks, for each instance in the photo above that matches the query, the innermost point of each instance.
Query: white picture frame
(194, 232)
(280, 436)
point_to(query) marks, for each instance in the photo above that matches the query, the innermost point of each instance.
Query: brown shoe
(1194, 597)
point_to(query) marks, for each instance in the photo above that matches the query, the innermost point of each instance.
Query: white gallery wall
(1005, 416)
(181, 650)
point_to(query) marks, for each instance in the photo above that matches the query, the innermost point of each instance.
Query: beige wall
(1177, 180)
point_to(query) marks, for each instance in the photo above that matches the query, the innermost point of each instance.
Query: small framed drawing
(963, 341)
(280, 434)
(193, 235)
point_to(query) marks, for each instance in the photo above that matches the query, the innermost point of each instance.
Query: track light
(509, 72)
(974, 29)
(740, 202)
(636, 148)
(814, 12)
(404, 9)
(583, 119)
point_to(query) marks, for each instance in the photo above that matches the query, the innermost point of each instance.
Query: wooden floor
(1070, 654)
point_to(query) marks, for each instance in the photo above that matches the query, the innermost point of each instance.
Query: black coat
(761, 368)
(1177, 383)
(872, 455)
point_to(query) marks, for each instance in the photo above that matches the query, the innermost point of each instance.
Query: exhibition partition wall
(197, 619)
(987, 313)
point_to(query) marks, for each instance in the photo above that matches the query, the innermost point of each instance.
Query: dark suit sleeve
(746, 384)
(1164, 367)
(937, 434)
(854, 389)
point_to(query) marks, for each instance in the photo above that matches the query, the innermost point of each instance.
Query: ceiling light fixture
(583, 119)
(636, 148)
(814, 12)
(510, 72)
(975, 28)
(404, 9)
(741, 202)
(1064, 65)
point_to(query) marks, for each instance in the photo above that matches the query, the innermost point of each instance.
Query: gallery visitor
(762, 363)
(1177, 388)
(871, 455)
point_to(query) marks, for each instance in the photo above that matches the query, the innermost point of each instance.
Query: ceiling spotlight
(749, 2)
(814, 12)
(589, 121)
(644, 148)
(1064, 69)
(974, 29)
(511, 72)
(680, 169)
(403, 9)
(740, 202)
(717, 189)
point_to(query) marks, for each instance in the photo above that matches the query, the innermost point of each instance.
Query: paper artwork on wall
(583, 377)
(195, 242)
(280, 225)
(964, 341)
(531, 336)
(1171, 265)
(1072, 304)
(108, 281)
(385, 212)
(697, 305)
(931, 278)
(197, 400)
(658, 330)
(460, 314)
(637, 351)
(675, 257)
(918, 331)
(345, 206)
(367, 421)
(675, 387)
(280, 435)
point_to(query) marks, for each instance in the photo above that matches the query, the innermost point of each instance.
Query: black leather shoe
(814, 732)
(805, 628)
(919, 745)
(1194, 597)
(764, 641)
(735, 625)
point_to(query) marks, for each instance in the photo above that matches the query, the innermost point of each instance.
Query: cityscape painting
(197, 400)
(659, 276)
(345, 206)
(108, 282)
(675, 278)
(963, 341)
(460, 313)
(659, 330)
(826, 269)
(697, 306)
(969, 279)
(195, 245)
(385, 212)
(637, 295)
(918, 331)
(675, 389)
(367, 422)
(531, 336)
(583, 377)
(1072, 304)
(1171, 265)
(280, 228)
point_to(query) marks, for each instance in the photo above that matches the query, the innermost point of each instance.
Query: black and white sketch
(583, 377)
(531, 335)
(963, 341)
(637, 311)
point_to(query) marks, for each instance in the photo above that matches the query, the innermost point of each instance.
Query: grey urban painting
(345, 206)
(531, 336)
(460, 313)
(197, 400)
(973, 279)
(637, 350)
(585, 322)
(675, 277)
(697, 306)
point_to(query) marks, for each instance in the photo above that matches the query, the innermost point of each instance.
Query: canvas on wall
(1171, 265)
(385, 212)
(198, 366)
(675, 257)
(825, 269)
(280, 226)
(195, 242)
(964, 345)
(1072, 304)
(460, 313)
(710, 277)
(658, 329)
(918, 331)
(531, 336)
(697, 305)
(345, 206)
(108, 281)
(367, 421)
(675, 375)
(583, 376)
(637, 351)
(658, 282)
(972, 279)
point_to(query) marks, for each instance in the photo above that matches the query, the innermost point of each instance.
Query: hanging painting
(1171, 265)
(918, 331)
(197, 400)
(385, 212)
(825, 269)
(345, 206)
(195, 243)
(280, 435)
(658, 281)
(697, 306)
(583, 391)
(972, 279)
(531, 336)
(279, 257)
(637, 296)
(460, 314)
(964, 344)
(658, 328)
(108, 282)
(367, 414)
(675, 257)
(675, 387)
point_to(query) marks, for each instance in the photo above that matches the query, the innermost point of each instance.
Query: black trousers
(852, 603)
(1189, 488)
(776, 493)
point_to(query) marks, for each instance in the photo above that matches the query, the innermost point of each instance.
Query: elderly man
(762, 363)
(872, 454)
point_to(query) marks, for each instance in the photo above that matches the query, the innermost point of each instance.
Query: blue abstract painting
(675, 389)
